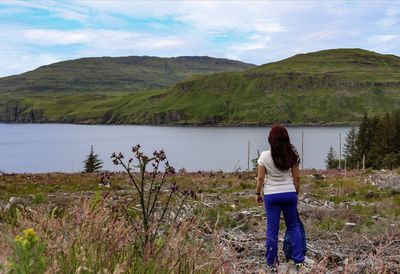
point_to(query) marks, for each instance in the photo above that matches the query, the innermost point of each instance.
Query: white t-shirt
(276, 180)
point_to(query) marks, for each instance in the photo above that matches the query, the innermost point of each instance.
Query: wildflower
(28, 238)
(169, 169)
(136, 148)
(174, 188)
(28, 254)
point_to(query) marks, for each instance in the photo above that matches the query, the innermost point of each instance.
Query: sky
(35, 33)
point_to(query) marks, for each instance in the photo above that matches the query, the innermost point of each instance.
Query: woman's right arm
(261, 171)
(296, 178)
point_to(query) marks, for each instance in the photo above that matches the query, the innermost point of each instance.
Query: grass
(79, 231)
(37, 185)
(339, 190)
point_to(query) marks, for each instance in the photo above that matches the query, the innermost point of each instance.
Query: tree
(350, 148)
(92, 162)
(362, 140)
(377, 139)
(331, 160)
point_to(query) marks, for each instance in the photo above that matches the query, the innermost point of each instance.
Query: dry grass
(83, 238)
(100, 239)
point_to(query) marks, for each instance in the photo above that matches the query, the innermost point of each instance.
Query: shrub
(39, 198)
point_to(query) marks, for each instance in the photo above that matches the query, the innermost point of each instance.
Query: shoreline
(350, 124)
(186, 173)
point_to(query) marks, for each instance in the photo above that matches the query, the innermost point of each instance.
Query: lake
(62, 147)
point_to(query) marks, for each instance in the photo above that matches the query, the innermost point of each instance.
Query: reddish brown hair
(283, 152)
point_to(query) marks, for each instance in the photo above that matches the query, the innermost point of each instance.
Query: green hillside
(115, 74)
(326, 87)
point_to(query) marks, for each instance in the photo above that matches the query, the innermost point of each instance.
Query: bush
(39, 198)
(28, 254)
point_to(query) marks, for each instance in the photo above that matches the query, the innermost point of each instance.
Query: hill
(326, 87)
(116, 74)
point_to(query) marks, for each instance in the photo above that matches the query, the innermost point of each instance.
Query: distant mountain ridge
(327, 87)
(116, 74)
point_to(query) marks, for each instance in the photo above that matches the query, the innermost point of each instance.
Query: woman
(278, 172)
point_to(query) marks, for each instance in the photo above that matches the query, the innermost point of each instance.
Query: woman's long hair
(283, 152)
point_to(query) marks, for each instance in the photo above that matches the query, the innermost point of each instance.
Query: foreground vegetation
(352, 223)
(326, 87)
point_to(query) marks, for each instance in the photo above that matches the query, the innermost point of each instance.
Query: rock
(17, 112)
(168, 117)
(13, 202)
(384, 179)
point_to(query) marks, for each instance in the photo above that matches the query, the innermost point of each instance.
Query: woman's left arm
(261, 171)
(296, 178)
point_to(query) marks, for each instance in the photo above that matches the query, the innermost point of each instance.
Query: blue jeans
(274, 204)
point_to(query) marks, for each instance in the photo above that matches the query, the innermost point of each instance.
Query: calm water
(63, 147)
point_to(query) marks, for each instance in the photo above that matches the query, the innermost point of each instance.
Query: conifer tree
(378, 139)
(331, 160)
(362, 137)
(350, 148)
(92, 162)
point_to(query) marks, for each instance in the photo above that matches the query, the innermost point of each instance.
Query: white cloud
(391, 17)
(378, 39)
(392, 11)
(97, 38)
(17, 54)
(48, 37)
(205, 16)
(252, 31)
(15, 62)
(256, 42)
(385, 43)
(56, 9)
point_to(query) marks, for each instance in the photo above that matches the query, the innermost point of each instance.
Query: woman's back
(276, 180)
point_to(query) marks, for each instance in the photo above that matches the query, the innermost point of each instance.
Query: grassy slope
(131, 73)
(333, 86)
